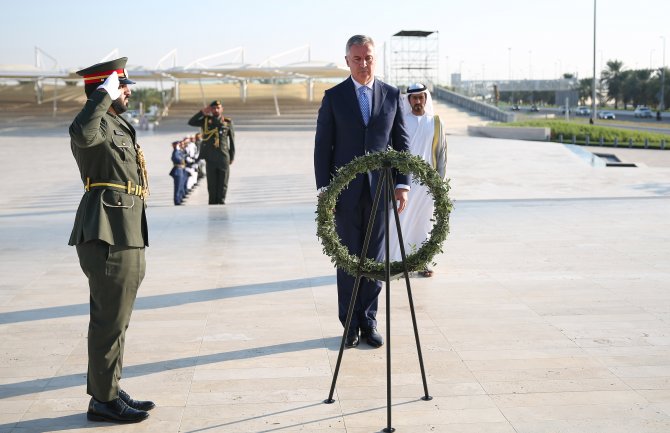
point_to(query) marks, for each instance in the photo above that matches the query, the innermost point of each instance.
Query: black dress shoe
(114, 411)
(352, 339)
(136, 404)
(372, 337)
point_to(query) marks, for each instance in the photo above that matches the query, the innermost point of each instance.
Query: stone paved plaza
(549, 310)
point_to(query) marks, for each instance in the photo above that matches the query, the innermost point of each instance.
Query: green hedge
(581, 130)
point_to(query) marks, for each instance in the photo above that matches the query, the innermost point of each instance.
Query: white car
(642, 112)
(606, 115)
(583, 111)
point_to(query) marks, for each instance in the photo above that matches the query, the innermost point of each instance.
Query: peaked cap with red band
(100, 71)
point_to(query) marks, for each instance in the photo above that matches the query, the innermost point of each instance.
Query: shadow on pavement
(171, 299)
(70, 380)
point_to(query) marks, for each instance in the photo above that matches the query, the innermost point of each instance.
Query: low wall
(469, 104)
(512, 133)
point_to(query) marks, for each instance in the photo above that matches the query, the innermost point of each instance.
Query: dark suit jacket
(341, 135)
(103, 145)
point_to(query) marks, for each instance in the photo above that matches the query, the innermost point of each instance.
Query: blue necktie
(364, 103)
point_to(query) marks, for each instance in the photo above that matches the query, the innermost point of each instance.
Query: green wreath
(406, 163)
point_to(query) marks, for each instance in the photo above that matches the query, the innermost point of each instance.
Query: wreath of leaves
(408, 164)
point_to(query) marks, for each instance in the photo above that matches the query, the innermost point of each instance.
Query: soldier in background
(191, 169)
(110, 233)
(218, 148)
(177, 172)
(202, 169)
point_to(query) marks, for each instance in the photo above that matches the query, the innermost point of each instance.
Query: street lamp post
(593, 85)
(509, 63)
(661, 105)
(446, 69)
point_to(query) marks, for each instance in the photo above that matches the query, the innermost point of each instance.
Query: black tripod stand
(385, 184)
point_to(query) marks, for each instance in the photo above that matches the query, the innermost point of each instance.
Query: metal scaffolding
(415, 57)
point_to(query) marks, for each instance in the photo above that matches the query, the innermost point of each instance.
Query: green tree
(666, 87)
(636, 88)
(147, 97)
(613, 79)
(584, 90)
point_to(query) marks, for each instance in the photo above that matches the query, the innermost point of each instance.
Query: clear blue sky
(542, 38)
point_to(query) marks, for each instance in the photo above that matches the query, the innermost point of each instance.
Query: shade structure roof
(311, 69)
(415, 33)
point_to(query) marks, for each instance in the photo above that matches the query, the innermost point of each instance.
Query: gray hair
(358, 40)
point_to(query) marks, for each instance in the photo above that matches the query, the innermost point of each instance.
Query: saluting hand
(111, 86)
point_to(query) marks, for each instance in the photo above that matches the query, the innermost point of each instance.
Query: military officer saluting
(218, 148)
(110, 232)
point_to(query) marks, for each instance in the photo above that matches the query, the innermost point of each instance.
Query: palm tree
(613, 78)
(635, 88)
(666, 89)
(584, 90)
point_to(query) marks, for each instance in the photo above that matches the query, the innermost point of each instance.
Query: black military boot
(136, 404)
(114, 411)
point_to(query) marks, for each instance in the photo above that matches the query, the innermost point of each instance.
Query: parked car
(583, 111)
(643, 112)
(606, 115)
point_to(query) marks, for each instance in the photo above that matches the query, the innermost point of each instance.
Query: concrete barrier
(469, 104)
(513, 133)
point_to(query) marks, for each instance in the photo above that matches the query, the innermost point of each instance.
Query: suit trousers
(351, 226)
(114, 274)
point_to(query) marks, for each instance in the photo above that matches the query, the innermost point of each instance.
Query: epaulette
(228, 119)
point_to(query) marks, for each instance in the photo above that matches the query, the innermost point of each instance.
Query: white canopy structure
(197, 70)
(206, 69)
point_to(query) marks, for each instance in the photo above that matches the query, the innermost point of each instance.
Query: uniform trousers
(114, 274)
(217, 182)
(351, 226)
(178, 175)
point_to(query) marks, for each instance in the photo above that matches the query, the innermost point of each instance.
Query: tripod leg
(354, 295)
(347, 324)
(390, 196)
(426, 396)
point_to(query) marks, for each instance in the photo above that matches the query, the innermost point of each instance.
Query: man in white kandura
(427, 140)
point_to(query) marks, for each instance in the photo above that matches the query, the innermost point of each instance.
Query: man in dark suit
(358, 116)
(110, 232)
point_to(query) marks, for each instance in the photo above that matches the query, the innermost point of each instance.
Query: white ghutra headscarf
(416, 88)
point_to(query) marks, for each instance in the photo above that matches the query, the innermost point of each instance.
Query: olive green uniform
(218, 151)
(110, 232)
